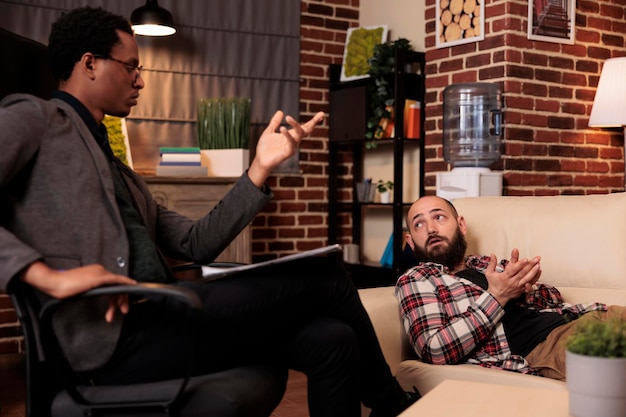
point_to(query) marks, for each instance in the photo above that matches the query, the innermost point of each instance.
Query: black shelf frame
(347, 133)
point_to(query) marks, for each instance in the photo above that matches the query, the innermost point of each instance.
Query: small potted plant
(596, 368)
(223, 126)
(384, 189)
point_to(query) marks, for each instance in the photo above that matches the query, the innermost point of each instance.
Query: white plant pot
(385, 197)
(225, 162)
(597, 386)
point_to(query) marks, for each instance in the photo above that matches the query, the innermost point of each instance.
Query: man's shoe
(403, 400)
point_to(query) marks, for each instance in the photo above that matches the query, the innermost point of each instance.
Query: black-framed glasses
(129, 67)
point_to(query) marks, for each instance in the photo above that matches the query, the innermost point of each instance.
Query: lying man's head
(436, 232)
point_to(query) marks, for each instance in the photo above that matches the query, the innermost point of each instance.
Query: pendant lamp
(152, 20)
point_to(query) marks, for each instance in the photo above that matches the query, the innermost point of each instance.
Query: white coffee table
(454, 398)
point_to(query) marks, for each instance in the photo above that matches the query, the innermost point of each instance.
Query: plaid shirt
(450, 320)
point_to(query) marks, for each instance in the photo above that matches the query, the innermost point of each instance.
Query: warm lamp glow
(153, 30)
(152, 20)
(609, 105)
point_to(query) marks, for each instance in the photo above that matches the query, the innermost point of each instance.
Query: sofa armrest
(382, 307)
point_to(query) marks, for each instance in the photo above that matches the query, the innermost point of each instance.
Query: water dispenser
(472, 140)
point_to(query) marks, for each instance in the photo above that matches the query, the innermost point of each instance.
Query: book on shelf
(387, 125)
(177, 149)
(180, 163)
(412, 119)
(181, 171)
(387, 259)
(181, 157)
(215, 272)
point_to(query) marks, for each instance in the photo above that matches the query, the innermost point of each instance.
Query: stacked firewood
(460, 19)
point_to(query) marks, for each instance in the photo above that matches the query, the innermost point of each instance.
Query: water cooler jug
(472, 136)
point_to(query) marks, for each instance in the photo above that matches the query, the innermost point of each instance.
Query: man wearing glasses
(74, 218)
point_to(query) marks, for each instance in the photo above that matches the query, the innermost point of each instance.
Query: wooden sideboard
(195, 197)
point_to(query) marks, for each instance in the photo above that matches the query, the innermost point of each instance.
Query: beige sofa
(582, 242)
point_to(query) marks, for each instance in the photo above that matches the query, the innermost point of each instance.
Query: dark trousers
(305, 315)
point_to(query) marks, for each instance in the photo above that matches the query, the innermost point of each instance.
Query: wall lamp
(152, 20)
(609, 104)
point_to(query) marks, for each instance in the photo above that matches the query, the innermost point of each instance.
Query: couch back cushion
(581, 239)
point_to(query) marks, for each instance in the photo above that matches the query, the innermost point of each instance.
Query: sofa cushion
(426, 376)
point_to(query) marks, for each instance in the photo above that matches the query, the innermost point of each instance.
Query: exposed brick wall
(296, 219)
(548, 89)
(10, 332)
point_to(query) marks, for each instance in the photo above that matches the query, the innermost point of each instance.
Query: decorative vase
(365, 192)
(597, 386)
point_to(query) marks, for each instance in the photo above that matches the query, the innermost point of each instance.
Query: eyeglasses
(129, 67)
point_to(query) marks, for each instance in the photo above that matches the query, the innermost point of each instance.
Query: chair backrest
(41, 385)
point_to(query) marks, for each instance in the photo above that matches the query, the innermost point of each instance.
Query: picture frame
(552, 21)
(118, 138)
(459, 21)
(358, 50)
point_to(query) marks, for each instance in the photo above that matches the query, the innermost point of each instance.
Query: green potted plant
(381, 68)
(384, 189)
(596, 368)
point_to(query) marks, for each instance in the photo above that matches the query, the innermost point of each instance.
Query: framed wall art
(459, 21)
(359, 48)
(118, 138)
(552, 20)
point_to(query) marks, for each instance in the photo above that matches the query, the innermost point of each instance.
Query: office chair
(54, 389)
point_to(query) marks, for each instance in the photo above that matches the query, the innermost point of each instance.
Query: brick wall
(10, 332)
(548, 89)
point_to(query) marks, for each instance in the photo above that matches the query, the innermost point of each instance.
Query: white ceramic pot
(385, 197)
(597, 386)
(225, 162)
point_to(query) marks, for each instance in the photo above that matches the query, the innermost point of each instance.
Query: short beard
(450, 257)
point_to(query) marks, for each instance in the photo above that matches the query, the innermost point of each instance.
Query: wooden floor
(12, 391)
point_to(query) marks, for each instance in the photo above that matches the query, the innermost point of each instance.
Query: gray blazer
(57, 204)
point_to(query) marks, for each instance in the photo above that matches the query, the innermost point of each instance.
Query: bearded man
(473, 309)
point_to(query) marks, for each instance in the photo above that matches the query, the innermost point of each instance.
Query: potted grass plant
(224, 135)
(596, 368)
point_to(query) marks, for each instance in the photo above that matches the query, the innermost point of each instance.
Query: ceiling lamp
(152, 20)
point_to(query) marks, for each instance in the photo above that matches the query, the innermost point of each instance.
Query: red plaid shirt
(450, 320)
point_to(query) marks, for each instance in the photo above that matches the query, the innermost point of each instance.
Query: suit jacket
(57, 205)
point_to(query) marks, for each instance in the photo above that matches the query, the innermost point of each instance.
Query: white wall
(404, 19)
